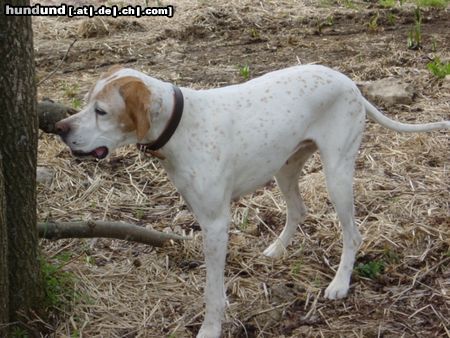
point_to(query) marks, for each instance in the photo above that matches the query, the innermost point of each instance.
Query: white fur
(234, 139)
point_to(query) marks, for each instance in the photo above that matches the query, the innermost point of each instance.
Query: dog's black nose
(62, 129)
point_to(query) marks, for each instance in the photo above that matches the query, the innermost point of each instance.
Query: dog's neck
(164, 109)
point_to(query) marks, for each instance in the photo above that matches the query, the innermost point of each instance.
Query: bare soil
(401, 184)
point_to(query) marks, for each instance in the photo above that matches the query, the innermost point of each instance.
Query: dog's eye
(99, 111)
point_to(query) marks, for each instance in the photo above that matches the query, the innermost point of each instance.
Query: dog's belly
(248, 183)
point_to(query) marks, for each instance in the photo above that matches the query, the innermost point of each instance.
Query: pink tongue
(100, 152)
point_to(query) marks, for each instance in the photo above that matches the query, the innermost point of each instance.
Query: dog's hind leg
(338, 154)
(287, 180)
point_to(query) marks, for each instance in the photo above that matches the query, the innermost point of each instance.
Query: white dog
(226, 142)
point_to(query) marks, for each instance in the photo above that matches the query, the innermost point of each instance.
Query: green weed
(371, 269)
(244, 224)
(414, 40)
(254, 33)
(296, 268)
(77, 103)
(244, 71)
(317, 282)
(391, 256)
(432, 3)
(373, 22)
(434, 44)
(350, 4)
(89, 260)
(438, 68)
(71, 90)
(18, 332)
(391, 18)
(139, 213)
(326, 3)
(58, 284)
(328, 22)
(387, 3)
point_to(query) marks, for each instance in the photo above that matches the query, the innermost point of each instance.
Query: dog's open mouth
(98, 153)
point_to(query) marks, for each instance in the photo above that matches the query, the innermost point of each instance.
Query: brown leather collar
(170, 128)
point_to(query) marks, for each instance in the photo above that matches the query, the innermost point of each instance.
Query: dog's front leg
(215, 239)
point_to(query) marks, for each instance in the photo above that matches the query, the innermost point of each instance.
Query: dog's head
(116, 114)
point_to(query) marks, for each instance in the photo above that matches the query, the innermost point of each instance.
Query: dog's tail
(377, 116)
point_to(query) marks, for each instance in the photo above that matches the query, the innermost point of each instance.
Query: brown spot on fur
(136, 96)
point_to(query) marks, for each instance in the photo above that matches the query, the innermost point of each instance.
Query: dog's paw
(275, 250)
(336, 290)
(209, 332)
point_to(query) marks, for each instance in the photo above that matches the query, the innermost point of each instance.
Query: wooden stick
(117, 230)
(58, 66)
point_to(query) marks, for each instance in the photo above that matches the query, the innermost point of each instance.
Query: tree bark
(4, 278)
(18, 148)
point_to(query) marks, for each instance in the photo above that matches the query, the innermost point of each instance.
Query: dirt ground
(402, 188)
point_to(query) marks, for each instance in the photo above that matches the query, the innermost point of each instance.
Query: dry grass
(402, 189)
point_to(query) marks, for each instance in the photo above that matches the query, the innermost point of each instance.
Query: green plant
(18, 332)
(75, 334)
(432, 3)
(349, 4)
(254, 33)
(438, 68)
(371, 269)
(139, 213)
(328, 22)
(244, 224)
(89, 260)
(58, 284)
(64, 257)
(326, 3)
(244, 71)
(433, 44)
(317, 281)
(373, 22)
(296, 268)
(387, 3)
(71, 90)
(414, 40)
(390, 256)
(391, 18)
(76, 103)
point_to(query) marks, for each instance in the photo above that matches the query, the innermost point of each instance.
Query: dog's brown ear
(111, 70)
(137, 98)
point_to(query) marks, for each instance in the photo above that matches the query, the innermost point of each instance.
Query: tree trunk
(4, 282)
(18, 148)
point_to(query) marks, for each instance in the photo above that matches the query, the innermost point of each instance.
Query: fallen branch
(117, 230)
